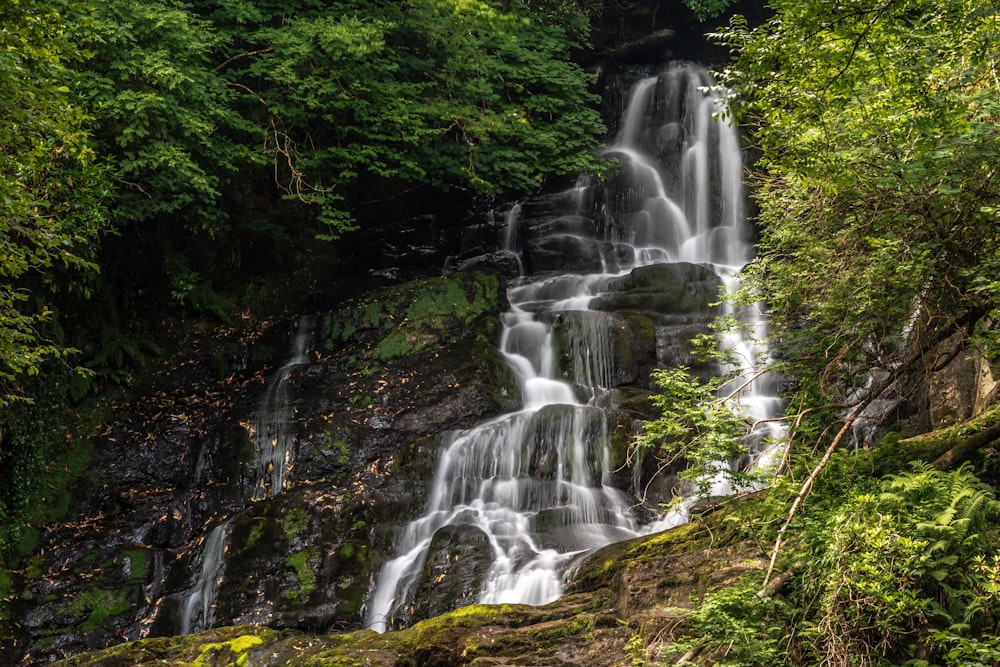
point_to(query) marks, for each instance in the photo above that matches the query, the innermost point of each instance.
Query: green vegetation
(876, 127)
(414, 317)
(93, 605)
(52, 188)
(694, 430)
(306, 577)
(890, 572)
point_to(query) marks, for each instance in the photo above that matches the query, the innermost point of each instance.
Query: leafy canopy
(453, 93)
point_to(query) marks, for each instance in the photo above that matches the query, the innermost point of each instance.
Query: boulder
(457, 561)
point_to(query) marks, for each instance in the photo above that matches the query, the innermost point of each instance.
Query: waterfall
(535, 482)
(198, 613)
(273, 423)
(272, 435)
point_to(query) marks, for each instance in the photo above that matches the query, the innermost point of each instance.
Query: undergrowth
(901, 570)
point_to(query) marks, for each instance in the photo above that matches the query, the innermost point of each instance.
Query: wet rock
(666, 289)
(503, 262)
(457, 561)
(564, 253)
(629, 591)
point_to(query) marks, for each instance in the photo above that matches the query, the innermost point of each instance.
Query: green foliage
(698, 428)
(51, 192)
(39, 456)
(160, 110)
(899, 571)
(465, 93)
(877, 126)
(707, 9)
(903, 563)
(738, 628)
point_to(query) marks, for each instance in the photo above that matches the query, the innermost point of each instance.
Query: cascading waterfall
(272, 426)
(535, 482)
(198, 613)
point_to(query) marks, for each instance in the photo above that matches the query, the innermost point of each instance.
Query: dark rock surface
(625, 597)
(458, 558)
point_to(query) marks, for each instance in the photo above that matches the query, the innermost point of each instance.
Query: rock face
(382, 378)
(963, 388)
(622, 598)
(459, 556)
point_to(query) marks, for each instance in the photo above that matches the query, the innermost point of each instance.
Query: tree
(877, 126)
(160, 112)
(52, 191)
(876, 122)
(363, 98)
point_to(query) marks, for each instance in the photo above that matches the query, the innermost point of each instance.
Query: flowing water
(198, 613)
(272, 434)
(273, 425)
(536, 482)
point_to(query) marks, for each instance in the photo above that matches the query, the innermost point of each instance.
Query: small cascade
(510, 235)
(535, 483)
(198, 613)
(273, 438)
(273, 425)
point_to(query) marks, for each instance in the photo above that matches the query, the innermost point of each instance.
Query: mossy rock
(229, 647)
(417, 316)
(623, 591)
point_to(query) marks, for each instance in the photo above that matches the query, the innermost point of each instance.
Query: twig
(804, 491)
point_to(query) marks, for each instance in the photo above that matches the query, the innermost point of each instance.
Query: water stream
(273, 424)
(272, 435)
(198, 613)
(535, 482)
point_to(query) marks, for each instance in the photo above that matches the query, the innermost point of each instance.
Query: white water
(273, 439)
(272, 434)
(535, 481)
(198, 613)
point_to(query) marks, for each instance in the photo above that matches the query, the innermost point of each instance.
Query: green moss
(237, 648)
(299, 563)
(577, 626)
(137, 558)
(295, 522)
(230, 646)
(699, 533)
(256, 531)
(893, 454)
(91, 606)
(414, 317)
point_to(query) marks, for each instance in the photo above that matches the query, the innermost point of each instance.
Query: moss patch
(299, 563)
(416, 316)
(295, 522)
(220, 646)
(93, 605)
(232, 652)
